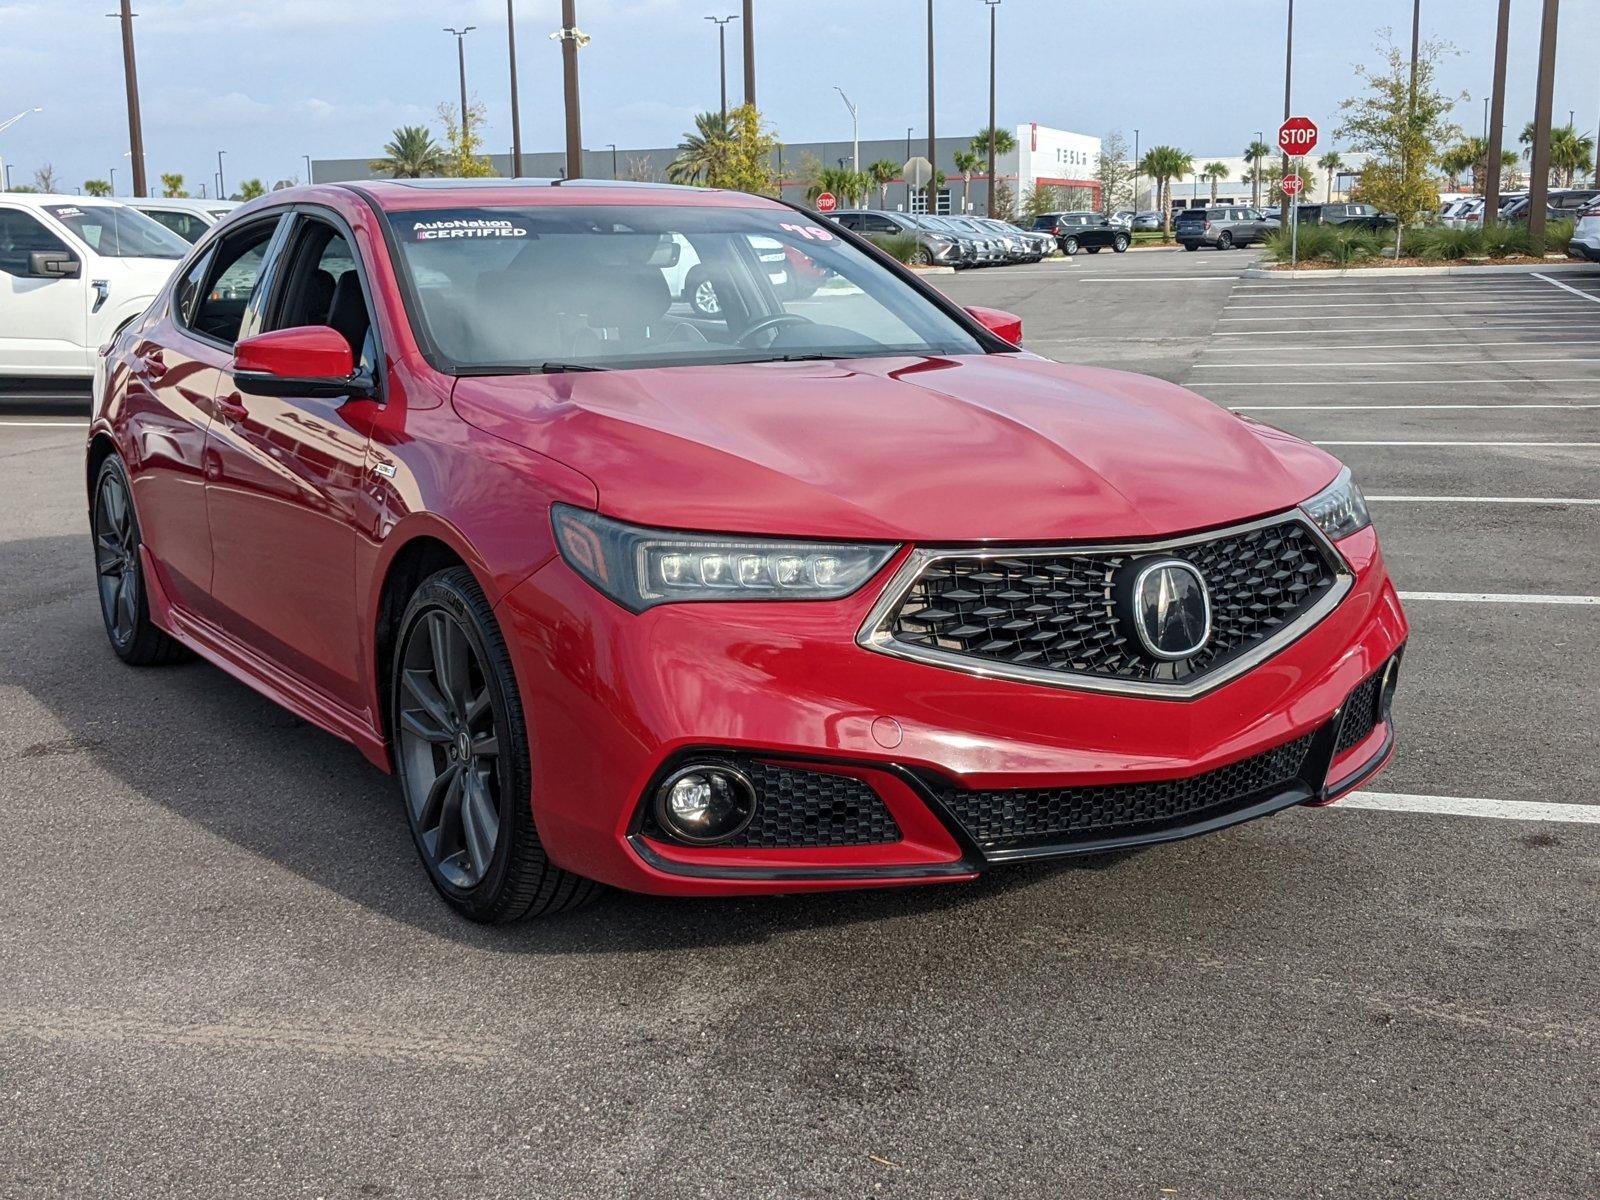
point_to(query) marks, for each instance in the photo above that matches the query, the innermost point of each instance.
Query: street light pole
(516, 116)
(1135, 173)
(572, 40)
(749, 54)
(933, 161)
(307, 157)
(461, 65)
(1497, 117)
(222, 188)
(994, 6)
(130, 76)
(855, 128)
(1539, 168)
(113, 181)
(722, 58)
(1288, 75)
(5, 167)
(613, 146)
(909, 128)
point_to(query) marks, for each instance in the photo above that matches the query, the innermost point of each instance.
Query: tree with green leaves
(96, 187)
(1005, 201)
(463, 143)
(1164, 164)
(1004, 143)
(1041, 198)
(703, 152)
(1330, 162)
(172, 186)
(851, 188)
(1402, 135)
(884, 172)
(1255, 154)
(1114, 173)
(250, 189)
(1214, 173)
(732, 152)
(411, 154)
(967, 161)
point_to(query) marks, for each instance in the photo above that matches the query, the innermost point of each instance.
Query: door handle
(231, 406)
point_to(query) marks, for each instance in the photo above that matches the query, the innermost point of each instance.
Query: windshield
(119, 232)
(501, 290)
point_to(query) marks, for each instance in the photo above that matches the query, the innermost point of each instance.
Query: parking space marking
(1353, 383)
(1463, 806)
(1497, 598)
(1510, 318)
(1562, 500)
(1156, 278)
(1479, 445)
(1552, 302)
(1567, 287)
(1494, 326)
(1487, 362)
(1381, 407)
(1405, 345)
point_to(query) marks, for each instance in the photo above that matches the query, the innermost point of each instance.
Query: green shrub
(1326, 243)
(903, 247)
(1439, 244)
(1505, 241)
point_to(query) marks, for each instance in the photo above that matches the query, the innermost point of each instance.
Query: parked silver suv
(1223, 227)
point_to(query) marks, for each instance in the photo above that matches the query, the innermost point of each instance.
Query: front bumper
(613, 700)
(1587, 249)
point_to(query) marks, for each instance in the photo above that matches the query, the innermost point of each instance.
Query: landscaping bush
(1439, 244)
(903, 247)
(1326, 243)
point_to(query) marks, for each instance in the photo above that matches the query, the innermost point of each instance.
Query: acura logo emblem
(1167, 604)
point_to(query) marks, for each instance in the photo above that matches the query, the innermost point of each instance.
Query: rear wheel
(119, 574)
(701, 294)
(1190, 246)
(1069, 247)
(461, 751)
(1225, 241)
(1121, 244)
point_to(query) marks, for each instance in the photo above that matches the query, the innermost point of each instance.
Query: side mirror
(308, 360)
(53, 264)
(1004, 325)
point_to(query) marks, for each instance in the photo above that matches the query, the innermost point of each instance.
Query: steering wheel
(775, 321)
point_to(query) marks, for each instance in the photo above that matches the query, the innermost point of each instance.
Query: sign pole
(1294, 230)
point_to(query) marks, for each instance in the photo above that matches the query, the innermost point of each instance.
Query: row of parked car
(1565, 204)
(958, 242)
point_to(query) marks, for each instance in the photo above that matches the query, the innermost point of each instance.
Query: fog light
(1386, 687)
(707, 803)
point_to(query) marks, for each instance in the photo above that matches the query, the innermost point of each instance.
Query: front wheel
(921, 257)
(119, 574)
(1225, 242)
(701, 294)
(1190, 246)
(461, 751)
(1121, 244)
(1070, 247)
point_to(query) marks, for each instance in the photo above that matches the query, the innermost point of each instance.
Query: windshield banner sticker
(438, 229)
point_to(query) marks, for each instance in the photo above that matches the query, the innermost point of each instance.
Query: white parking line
(1462, 806)
(1487, 362)
(1455, 383)
(1495, 326)
(1563, 500)
(1508, 319)
(1519, 290)
(1157, 278)
(1567, 287)
(1479, 445)
(1554, 302)
(1497, 598)
(1383, 407)
(1405, 345)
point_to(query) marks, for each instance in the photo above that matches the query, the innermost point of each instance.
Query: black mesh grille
(1361, 714)
(1008, 818)
(801, 808)
(1057, 610)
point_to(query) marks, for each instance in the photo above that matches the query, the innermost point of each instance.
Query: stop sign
(827, 202)
(1292, 185)
(1297, 136)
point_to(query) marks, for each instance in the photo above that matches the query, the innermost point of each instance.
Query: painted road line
(1384, 407)
(1563, 445)
(1561, 500)
(1344, 383)
(1408, 345)
(1567, 287)
(1492, 327)
(1159, 279)
(1462, 806)
(1553, 302)
(1497, 598)
(1509, 319)
(1487, 362)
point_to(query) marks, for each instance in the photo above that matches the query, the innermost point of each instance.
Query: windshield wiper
(547, 368)
(557, 368)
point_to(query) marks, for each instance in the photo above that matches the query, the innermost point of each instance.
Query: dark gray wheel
(119, 574)
(1069, 247)
(1093, 249)
(1121, 243)
(1225, 241)
(461, 751)
(921, 257)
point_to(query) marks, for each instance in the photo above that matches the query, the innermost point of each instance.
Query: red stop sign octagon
(1297, 136)
(1292, 185)
(827, 202)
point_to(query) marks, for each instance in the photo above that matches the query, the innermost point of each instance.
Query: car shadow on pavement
(213, 752)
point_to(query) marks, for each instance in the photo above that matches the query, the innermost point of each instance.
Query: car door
(44, 320)
(175, 367)
(284, 492)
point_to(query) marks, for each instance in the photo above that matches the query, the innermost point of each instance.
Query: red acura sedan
(834, 588)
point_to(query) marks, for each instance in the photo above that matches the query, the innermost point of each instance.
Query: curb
(1412, 272)
(933, 270)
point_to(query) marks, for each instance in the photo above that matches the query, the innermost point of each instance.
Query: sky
(271, 80)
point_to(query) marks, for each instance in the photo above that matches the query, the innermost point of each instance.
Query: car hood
(140, 275)
(992, 447)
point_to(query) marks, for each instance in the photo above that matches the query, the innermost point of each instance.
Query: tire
(700, 293)
(1069, 247)
(1093, 249)
(1191, 247)
(119, 574)
(1121, 243)
(461, 752)
(1225, 240)
(921, 257)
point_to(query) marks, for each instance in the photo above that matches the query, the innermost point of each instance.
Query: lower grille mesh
(1361, 715)
(1009, 818)
(798, 808)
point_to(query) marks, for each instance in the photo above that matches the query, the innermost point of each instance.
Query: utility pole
(909, 128)
(994, 6)
(1411, 114)
(222, 188)
(1497, 118)
(130, 75)
(1135, 173)
(1539, 169)
(749, 54)
(461, 63)
(933, 161)
(516, 116)
(855, 129)
(722, 58)
(613, 146)
(572, 40)
(1288, 75)
(307, 157)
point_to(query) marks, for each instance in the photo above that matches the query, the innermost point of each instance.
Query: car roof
(50, 199)
(181, 203)
(404, 195)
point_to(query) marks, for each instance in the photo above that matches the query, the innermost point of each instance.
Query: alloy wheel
(449, 749)
(705, 299)
(116, 559)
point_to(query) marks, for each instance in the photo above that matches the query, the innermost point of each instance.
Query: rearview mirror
(307, 360)
(1007, 326)
(53, 264)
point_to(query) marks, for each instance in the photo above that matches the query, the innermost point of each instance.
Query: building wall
(1188, 191)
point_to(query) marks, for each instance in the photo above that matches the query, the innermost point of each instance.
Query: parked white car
(1585, 241)
(73, 271)
(186, 218)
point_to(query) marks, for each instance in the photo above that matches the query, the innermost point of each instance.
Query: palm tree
(1215, 173)
(410, 154)
(1330, 162)
(703, 152)
(1164, 164)
(1570, 152)
(172, 185)
(884, 172)
(96, 187)
(967, 161)
(1004, 143)
(1255, 154)
(251, 188)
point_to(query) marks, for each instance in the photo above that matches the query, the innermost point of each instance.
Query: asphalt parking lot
(224, 973)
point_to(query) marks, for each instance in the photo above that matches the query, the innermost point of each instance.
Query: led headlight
(1338, 509)
(640, 567)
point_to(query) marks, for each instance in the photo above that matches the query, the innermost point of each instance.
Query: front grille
(1361, 714)
(1012, 818)
(800, 808)
(1055, 610)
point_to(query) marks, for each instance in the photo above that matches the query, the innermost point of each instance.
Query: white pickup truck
(73, 271)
